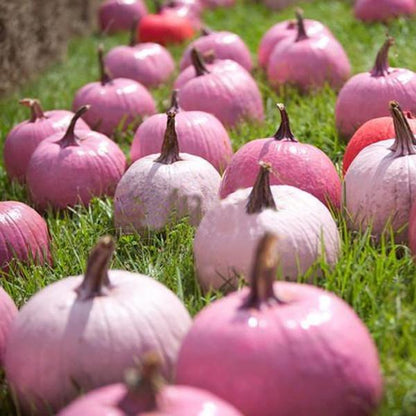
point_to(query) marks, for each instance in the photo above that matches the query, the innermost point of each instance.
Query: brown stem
(301, 26)
(381, 66)
(263, 274)
(70, 139)
(405, 142)
(143, 386)
(104, 76)
(174, 102)
(157, 4)
(284, 131)
(36, 111)
(198, 63)
(170, 147)
(261, 196)
(96, 281)
(133, 32)
(205, 31)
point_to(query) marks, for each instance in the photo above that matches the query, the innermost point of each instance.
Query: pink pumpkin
(8, 313)
(412, 229)
(23, 139)
(225, 45)
(24, 235)
(308, 61)
(367, 95)
(73, 168)
(145, 394)
(224, 89)
(184, 11)
(213, 4)
(82, 332)
(117, 103)
(382, 10)
(293, 163)
(199, 133)
(119, 15)
(281, 348)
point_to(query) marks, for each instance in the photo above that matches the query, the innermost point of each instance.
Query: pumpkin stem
(263, 274)
(261, 196)
(205, 31)
(170, 147)
(96, 281)
(174, 102)
(157, 4)
(133, 30)
(302, 35)
(144, 384)
(284, 132)
(70, 139)
(104, 76)
(36, 111)
(405, 142)
(198, 63)
(381, 66)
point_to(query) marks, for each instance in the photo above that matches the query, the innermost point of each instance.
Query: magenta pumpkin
(282, 348)
(144, 393)
(199, 133)
(382, 10)
(72, 168)
(82, 332)
(224, 89)
(115, 103)
(24, 235)
(308, 61)
(23, 139)
(225, 45)
(367, 95)
(293, 163)
(118, 15)
(8, 313)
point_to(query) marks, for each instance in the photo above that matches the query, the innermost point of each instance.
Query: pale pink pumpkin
(199, 133)
(225, 45)
(308, 61)
(383, 10)
(144, 393)
(367, 95)
(412, 229)
(8, 313)
(380, 184)
(73, 168)
(213, 4)
(281, 348)
(82, 332)
(24, 235)
(117, 103)
(293, 163)
(183, 10)
(23, 139)
(226, 240)
(163, 188)
(224, 89)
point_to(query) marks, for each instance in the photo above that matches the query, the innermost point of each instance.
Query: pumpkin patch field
(199, 161)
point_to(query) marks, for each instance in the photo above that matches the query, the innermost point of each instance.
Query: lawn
(376, 280)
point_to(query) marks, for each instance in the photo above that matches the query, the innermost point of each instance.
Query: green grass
(377, 280)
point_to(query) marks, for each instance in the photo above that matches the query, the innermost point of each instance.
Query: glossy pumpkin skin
(412, 230)
(297, 164)
(23, 139)
(149, 64)
(283, 30)
(226, 240)
(8, 313)
(199, 133)
(164, 29)
(119, 15)
(24, 235)
(61, 344)
(370, 132)
(382, 10)
(225, 45)
(228, 92)
(115, 104)
(183, 11)
(62, 177)
(310, 356)
(171, 401)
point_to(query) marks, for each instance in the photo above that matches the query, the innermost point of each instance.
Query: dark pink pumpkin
(23, 139)
(8, 312)
(383, 10)
(282, 349)
(199, 133)
(293, 163)
(73, 168)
